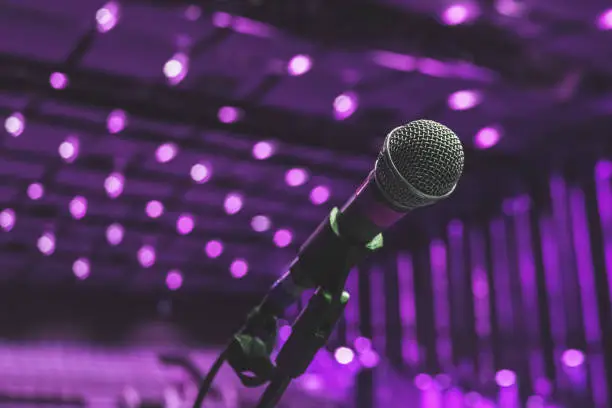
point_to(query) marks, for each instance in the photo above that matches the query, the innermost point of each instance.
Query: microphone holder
(249, 350)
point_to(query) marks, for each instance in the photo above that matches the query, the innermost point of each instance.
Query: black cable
(208, 380)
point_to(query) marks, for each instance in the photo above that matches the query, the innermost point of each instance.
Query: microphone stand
(249, 351)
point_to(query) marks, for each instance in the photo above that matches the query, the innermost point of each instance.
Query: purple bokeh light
(505, 378)
(154, 209)
(296, 177)
(260, 223)
(487, 137)
(345, 105)
(362, 344)
(46, 243)
(299, 65)
(456, 14)
(58, 80)
(81, 268)
(114, 184)
(176, 68)
(166, 152)
(78, 207)
(572, 358)
(283, 238)
(116, 121)
(263, 150)
(15, 124)
(7, 219)
(423, 381)
(114, 234)
(69, 149)
(239, 268)
(344, 355)
(463, 100)
(185, 224)
(319, 195)
(228, 114)
(107, 17)
(200, 173)
(233, 203)
(35, 191)
(193, 13)
(604, 21)
(213, 249)
(146, 256)
(174, 280)
(222, 19)
(369, 359)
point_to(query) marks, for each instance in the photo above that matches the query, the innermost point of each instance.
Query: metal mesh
(427, 155)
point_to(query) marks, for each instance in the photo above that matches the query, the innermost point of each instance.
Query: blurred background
(162, 161)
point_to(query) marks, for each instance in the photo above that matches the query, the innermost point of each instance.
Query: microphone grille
(421, 163)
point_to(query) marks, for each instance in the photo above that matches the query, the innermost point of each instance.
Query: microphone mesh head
(420, 163)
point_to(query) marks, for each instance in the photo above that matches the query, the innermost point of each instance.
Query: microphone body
(420, 164)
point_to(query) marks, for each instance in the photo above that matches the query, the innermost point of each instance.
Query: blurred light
(228, 114)
(423, 381)
(166, 152)
(176, 68)
(299, 65)
(233, 203)
(603, 170)
(46, 243)
(114, 184)
(362, 344)
(7, 219)
(174, 280)
(263, 150)
(296, 177)
(78, 207)
(505, 378)
(510, 8)
(80, 268)
(463, 100)
(35, 191)
(344, 355)
(319, 195)
(185, 224)
(345, 105)
(239, 268)
(107, 17)
(200, 173)
(146, 256)
(58, 80)
(114, 234)
(284, 332)
(604, 22)
(221, 19)
(312, 382)
(369, 358)
(116, 121)
(572, 358)
(192, 13)
(260, 223)
(15, 124)
(69, 149)
(214, 249)
(154, 209)
(455, 14)
(282, 238)
(487, 137)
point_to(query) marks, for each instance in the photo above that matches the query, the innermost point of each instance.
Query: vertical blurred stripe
(586, 280)
(482, 302)
(603, 186)
(377, 296)
(410, 345)
(351, 313)
(529, 291)
(438, 261)
(554, 290)
(502, 291)
(567, 261)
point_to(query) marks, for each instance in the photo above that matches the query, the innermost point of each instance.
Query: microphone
(420, 164)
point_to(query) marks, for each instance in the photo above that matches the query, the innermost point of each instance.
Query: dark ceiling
(543, 70)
